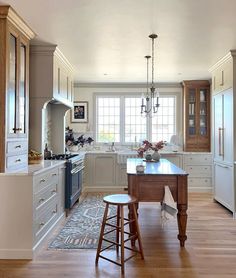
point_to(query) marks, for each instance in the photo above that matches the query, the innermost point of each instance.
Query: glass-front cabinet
(196, 115)
(17, 87)
(15, 35)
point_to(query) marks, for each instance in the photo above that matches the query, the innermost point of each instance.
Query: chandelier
(150, 100)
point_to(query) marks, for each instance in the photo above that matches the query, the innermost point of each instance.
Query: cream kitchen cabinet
(14, 90)
(100, 171)
(34, 209)
(222, 78)
(199, 168)
(224, 130)
(48, 64)
(175, 158)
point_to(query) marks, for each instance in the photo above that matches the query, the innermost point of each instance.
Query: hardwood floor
(210, 250)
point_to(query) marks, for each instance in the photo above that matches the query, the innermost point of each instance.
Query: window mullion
(122, 120)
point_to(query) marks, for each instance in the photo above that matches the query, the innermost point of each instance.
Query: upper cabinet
(222, 77)
(14, 89)
(196, 116)
(51, 75)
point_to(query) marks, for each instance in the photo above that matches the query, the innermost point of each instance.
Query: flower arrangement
(147, 146)
(81, 140)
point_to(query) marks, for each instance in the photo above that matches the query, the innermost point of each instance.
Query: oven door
(74, 180)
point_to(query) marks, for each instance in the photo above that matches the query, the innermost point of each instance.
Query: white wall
(85, 92)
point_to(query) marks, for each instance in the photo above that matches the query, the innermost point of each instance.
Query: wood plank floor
(210, 249)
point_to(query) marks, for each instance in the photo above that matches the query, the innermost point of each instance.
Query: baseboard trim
(105, 189)
(16, 254)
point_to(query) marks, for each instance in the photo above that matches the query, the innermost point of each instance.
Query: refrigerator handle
(221, 143)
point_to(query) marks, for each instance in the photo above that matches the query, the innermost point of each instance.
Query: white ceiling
(106, 40)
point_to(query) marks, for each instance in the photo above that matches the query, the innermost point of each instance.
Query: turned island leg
(182, 223)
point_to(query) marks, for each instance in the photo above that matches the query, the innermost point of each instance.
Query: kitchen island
(149, 187)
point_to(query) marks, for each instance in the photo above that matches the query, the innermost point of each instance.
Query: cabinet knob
(42, 180)
(54, 211)
(41, 224)
(54, 191)
(54, 174)
(18, 160)
(41, 200)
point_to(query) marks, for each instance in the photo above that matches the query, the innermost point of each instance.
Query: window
(108, 119)
(135, 125)
(163, 125)
(119, 120)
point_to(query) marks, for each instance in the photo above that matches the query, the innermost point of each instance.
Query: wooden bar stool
(119, 200)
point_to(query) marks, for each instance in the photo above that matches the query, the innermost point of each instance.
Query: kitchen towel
(168, 206)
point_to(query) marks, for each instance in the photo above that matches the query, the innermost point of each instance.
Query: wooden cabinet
(14, 88)
(196, 116)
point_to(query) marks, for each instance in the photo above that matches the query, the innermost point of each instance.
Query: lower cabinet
(199, 168)
(174, 158)
(30, 206)
(223, 185)
(101, 170)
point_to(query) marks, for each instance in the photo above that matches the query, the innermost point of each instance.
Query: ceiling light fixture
(150, 100)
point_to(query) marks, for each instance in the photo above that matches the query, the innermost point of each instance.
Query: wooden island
(149, 187)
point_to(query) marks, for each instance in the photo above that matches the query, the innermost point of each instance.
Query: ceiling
(106, 40)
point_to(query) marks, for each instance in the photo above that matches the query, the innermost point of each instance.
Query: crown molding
(7, 12)
(125, 85)
(227, 57)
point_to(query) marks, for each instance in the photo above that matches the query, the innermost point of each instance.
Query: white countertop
(34, 169)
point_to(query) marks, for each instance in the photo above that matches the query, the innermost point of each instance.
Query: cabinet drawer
(16, 147)
(46, 178)
(198, 171)
(42, 197)
(199, 182)
(45, 219)
(197, 159)
(16, 161)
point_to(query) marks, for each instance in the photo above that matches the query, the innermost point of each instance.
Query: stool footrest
(105, 248)
(111, 217)
(108, 232)
(105, 258)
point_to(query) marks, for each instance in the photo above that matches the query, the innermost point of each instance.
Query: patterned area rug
(82, 229)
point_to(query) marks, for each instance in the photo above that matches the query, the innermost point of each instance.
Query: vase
(148, 157)
(156, 156)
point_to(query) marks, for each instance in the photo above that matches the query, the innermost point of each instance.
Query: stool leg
(138, 231)
(122, 240)
(117, 229)
(101, 233)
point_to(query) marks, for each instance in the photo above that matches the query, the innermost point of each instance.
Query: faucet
(112, 148)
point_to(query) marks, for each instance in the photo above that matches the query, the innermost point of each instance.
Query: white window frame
(178, 115)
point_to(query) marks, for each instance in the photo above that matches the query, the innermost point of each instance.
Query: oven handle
(76, 170)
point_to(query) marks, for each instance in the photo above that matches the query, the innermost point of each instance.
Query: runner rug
(82, 228)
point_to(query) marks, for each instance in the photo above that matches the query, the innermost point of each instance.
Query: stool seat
(120, 199)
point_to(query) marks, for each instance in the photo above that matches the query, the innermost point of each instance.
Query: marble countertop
(163, 167)
(34, 169)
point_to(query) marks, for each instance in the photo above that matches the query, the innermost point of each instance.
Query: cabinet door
(223, 185)
(227, 132)
(218, 127)
(22, 96)
(104, 170)
(12, 86)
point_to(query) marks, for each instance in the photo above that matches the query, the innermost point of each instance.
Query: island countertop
(162, 167)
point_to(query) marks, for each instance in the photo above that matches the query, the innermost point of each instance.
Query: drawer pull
(41, 224)
(191, 168)
(18, 160)
(18, 147)
(54, 191)
(42, 180)
(54, 174)
(41, 200)
(54, 211)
